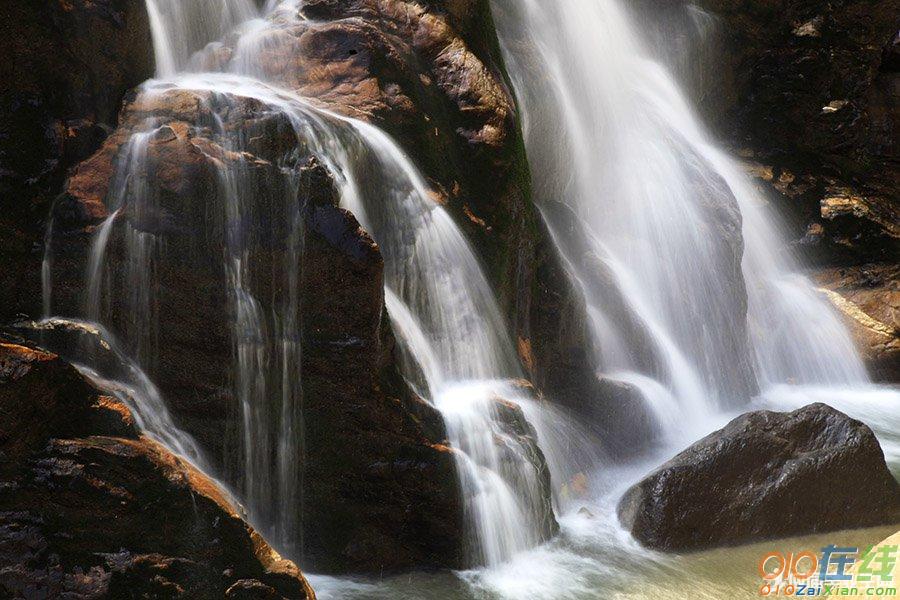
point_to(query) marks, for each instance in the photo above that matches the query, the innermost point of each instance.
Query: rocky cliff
(430, 77)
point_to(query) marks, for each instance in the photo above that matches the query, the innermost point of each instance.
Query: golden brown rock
(91, 509)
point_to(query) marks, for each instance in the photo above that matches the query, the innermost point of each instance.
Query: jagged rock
(357, 410)
(73, 464)
(765, 475)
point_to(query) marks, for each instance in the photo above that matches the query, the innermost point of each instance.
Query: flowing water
(451, 329)
(669, 236)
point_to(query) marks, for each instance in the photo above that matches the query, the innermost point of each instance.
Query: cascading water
(670, 237)
(668, 220)
(180, 28)
(454, 337)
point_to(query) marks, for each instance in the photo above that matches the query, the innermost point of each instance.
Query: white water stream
(454, 337)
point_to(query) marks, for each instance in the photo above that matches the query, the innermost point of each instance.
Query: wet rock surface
(868, 297)
(74, 61)
(89, 508)
(765, 475)
(379, 488)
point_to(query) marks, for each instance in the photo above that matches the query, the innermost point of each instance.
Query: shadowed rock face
(72, 464)
(765, 475)
(74, 61)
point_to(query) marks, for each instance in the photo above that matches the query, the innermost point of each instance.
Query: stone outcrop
(868, 297)
(765, 475)
(74, 61)
(90, 508)
(379, 488)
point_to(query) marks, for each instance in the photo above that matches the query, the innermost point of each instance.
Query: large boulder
(765, 475)
(90, 508)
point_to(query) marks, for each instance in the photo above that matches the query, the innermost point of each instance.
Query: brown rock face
(377, 486)
(72, 463)
(430, 75)
(868, 296)
(74, 61)
(765, 475)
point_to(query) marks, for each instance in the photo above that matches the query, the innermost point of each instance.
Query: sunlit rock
(73, 463)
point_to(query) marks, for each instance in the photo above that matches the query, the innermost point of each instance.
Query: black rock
(765, 475)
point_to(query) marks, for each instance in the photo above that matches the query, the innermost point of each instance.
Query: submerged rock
(89, 508)
(765, 475)
(518, 440)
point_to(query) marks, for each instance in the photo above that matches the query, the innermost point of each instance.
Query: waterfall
(444, 311)
(457, 351)
(689, 300)
(667, 222)
(181, 27)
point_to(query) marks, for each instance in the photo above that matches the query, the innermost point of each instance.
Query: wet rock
(81, 466)
(74, 61)
(519, 439)
(357, 410)
(765, 475)
(431, 75)
(868, 297)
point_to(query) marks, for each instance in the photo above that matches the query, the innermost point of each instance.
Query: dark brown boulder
(765, 475)
(89, 508)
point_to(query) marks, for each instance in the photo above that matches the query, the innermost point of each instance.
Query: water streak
(681, 235)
